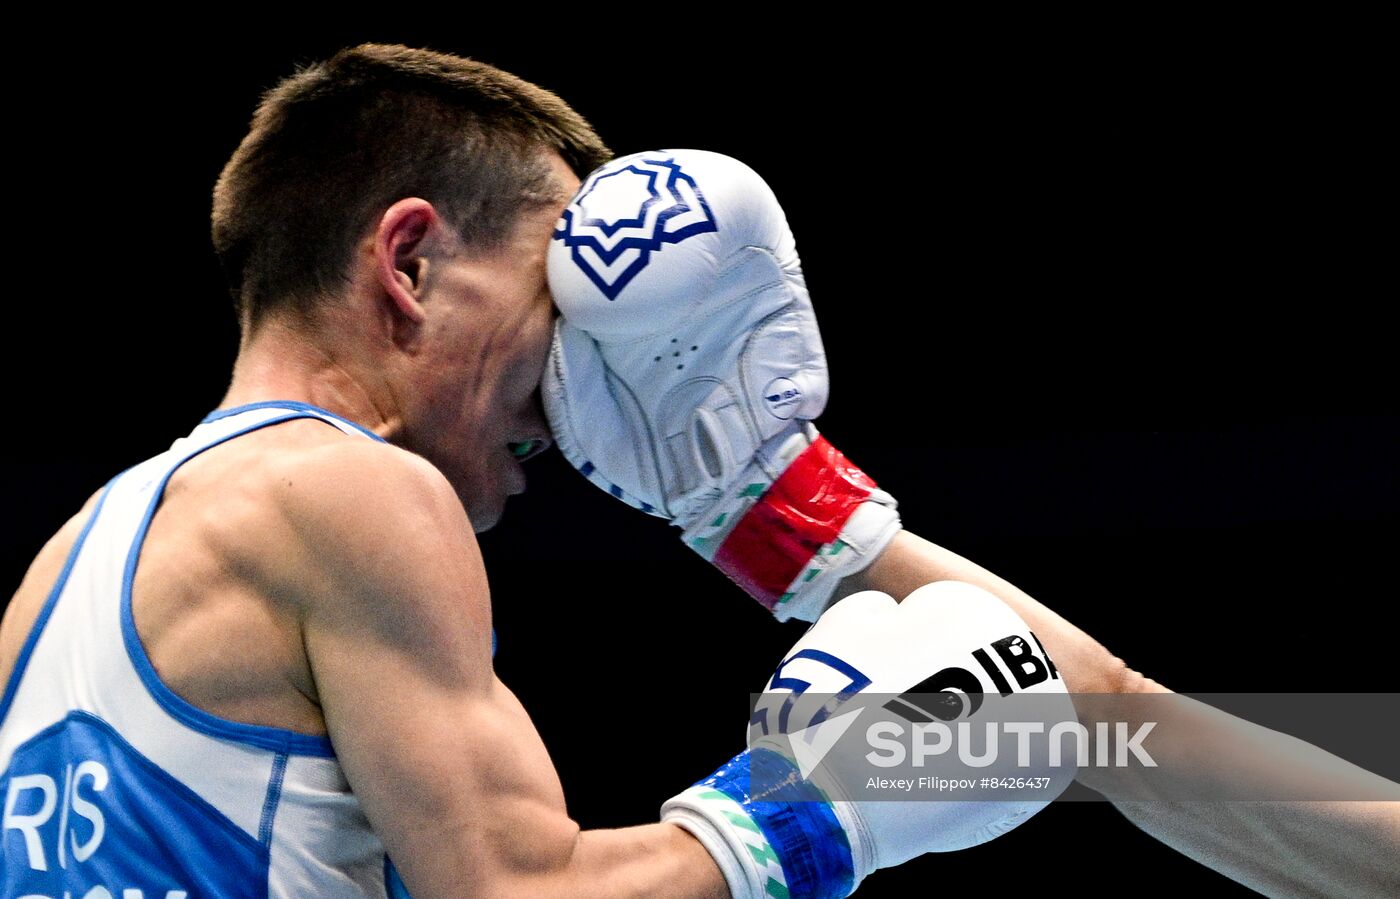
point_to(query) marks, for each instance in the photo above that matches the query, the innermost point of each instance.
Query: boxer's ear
(401, 257)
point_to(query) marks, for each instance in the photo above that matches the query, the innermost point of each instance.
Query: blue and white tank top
(115, 788)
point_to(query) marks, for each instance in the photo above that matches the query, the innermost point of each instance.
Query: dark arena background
(1103, 317)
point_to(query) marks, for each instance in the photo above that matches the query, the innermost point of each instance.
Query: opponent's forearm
(910, 561)
(1265, 808)
(645, 861)
(1288, 848)
(1302, 849)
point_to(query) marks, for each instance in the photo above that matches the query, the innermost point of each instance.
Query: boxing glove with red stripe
(687, 368)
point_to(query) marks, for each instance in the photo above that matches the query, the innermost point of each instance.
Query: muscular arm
(1282, 848)
(1087, 667)
(449, 769)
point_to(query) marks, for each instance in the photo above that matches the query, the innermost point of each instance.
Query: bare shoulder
(373, 537)
(356, 490)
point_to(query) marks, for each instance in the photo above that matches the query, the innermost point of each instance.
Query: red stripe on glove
(805, 509)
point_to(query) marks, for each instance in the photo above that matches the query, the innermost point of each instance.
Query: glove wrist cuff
(728, 833)
(708, 820)
(789, 540)
(766, 848)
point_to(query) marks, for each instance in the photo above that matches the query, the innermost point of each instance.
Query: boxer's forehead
(535, 228)
(527, 245)
(565, 179)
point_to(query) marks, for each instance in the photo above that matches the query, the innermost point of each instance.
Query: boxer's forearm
(644, 861)
(1285, 849)
(1265, 808)
(650, 860)
(910, 561)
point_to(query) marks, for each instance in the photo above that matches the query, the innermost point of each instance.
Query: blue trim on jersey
(290, 404)
(274, 796)
(393, 884)
(274, 738)
(42, 621)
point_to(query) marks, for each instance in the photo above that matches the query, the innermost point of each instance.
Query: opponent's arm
(910, 561)
(1281, 848)
(684, 373)
(450, 771)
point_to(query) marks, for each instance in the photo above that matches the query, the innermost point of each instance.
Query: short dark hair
(339, 141)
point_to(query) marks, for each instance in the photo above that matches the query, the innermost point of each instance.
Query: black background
(1103, 314)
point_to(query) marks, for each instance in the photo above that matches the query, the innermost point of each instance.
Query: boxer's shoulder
(304, 532)
(382, 562)
(346, 513)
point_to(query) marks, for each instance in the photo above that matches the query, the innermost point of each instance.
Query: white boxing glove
(686, 370)
(777, 828)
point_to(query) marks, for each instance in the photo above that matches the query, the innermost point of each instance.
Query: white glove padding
(935, 641)
(686, 370)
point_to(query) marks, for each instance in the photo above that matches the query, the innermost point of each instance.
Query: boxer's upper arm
(396, 618)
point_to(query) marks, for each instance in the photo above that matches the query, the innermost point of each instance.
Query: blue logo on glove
(625, 212)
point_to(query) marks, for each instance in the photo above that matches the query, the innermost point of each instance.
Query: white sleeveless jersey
(115, 788)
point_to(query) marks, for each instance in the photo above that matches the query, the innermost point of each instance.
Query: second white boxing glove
(777, 827)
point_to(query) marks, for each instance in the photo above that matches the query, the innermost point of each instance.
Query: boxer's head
(391, 208)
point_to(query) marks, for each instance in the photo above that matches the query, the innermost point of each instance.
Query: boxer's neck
(280, 363)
